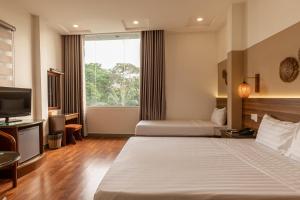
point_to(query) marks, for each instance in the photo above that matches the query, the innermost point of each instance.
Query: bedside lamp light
(244, 89)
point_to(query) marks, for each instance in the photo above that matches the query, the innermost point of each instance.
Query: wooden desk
(71, 118)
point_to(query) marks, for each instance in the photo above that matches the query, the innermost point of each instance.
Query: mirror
(54, 89)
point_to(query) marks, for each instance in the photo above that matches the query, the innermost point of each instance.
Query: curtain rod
(7, 26)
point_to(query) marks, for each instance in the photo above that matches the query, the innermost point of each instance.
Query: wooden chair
(57, 124)
(74, 130)
(12, 147)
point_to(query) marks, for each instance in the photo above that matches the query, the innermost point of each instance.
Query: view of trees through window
(112, 71)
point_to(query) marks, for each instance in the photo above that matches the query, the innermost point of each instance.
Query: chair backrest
(11, 141)
(57, 123)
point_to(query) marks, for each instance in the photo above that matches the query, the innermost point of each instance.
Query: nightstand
(228, 134)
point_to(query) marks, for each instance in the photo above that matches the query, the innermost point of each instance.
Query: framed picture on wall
(6, 54)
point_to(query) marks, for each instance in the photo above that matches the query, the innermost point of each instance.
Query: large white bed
(185, 168)
(177, 128)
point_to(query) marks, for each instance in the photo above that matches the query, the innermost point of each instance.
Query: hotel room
(149, 100)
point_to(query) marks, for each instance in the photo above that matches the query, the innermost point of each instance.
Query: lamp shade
(244, 90)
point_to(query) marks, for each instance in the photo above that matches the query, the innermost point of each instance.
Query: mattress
(185, 168)
(177, 128)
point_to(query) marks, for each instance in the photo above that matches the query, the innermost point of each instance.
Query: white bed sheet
(172, 168)
(177, 128)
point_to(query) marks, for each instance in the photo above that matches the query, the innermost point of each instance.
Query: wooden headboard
(286, 109)
(221, 102)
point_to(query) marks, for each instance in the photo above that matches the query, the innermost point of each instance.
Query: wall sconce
(244, 89)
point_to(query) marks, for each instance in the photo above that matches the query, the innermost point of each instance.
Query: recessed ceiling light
(75, 26)
(135, 22)
(199, 19)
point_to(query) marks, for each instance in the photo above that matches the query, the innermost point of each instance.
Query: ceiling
(107, 16)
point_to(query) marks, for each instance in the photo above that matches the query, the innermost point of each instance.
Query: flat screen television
(14, 102)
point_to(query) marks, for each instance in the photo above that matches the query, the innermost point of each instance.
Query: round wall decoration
(289, 69)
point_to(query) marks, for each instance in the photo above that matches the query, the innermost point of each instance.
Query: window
(6, 54)
(112, 69)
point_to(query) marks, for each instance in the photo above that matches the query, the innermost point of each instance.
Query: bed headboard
(286, 109)
(221, 102)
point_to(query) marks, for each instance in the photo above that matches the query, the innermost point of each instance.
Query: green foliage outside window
(118, 86)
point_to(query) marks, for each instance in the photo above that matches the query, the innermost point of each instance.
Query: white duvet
(164, 168)
(177, 128)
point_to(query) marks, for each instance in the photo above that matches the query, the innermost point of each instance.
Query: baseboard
(108, 135)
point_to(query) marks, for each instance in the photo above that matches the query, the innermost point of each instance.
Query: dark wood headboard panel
(286, 109)
(221, 102)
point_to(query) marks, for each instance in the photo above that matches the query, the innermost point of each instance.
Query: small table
(227, 134)
(8, 158)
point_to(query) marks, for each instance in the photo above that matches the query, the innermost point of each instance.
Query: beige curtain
(152, 91)
(73, 85)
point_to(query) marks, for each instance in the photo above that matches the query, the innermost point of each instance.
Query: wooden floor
(72, 172)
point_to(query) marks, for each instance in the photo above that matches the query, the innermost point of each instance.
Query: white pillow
(294, 150)
(219, 116)
(276, 134)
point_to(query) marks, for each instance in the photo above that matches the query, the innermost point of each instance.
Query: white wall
(235, 27)
(47, 53)
(233, 34)
(191, 75)
(259, 20)
(112, 120)
(221, 44)
(268, 17)
(37, 47)
(50, 57)
(16, 16)
(51, 46)
(11, 13)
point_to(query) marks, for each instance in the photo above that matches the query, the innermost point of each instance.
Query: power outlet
(254, 117)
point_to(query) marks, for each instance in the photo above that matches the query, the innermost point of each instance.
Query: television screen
(14, 102)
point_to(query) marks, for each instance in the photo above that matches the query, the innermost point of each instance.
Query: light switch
(254, 117)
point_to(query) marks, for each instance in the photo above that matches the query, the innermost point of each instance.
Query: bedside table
(227, 134)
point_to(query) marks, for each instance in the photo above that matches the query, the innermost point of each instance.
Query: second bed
(178, 128)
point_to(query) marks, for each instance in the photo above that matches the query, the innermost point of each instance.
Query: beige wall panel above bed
(265, 57)
(191, 75)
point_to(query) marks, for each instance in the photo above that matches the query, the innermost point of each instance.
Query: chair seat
(74, 130)
(74, 127)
